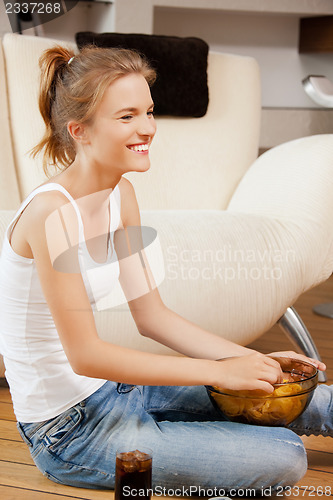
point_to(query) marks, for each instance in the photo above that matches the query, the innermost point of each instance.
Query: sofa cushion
(181, 64)
(9, 192)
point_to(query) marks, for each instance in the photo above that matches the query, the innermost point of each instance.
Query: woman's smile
(139, 148)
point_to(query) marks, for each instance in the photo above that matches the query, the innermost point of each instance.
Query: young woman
(77, 398)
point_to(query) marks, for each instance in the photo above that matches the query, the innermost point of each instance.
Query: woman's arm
(90, 356)
(158, 322)
(171, 329)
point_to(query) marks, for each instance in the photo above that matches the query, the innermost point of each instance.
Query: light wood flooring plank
(29, 477)
(5, 395)
(6, 412)
(314, 480)
(9, 493)
(321, 460)
(318, 443)
(12, 451)
(8, 430)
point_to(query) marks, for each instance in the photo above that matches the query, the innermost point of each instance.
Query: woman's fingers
(268, 372)
(273, 373)
(254, 371)
(264, 386)
(291, 354)
(260, 371)
(318, 364)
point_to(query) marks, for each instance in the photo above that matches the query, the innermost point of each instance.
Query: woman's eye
(150, 113)
(126, 117)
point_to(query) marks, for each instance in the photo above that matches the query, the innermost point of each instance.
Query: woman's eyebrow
(131, 109)
(125, 110)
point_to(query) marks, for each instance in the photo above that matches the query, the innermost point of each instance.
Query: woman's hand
(291, 354)
(250, 372)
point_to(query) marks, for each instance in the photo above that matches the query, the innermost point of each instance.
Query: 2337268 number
(302, 491)
(33, 8)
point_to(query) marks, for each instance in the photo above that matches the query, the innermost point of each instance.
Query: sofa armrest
(234, 274)
(292, 182)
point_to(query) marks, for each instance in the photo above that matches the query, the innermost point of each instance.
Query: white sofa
(242, 237)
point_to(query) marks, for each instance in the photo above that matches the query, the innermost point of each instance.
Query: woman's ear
(78, 132)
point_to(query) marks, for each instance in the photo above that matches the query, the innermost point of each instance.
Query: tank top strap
(54, 186)
(50, 186)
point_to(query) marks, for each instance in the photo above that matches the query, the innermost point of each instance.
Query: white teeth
(139, 147)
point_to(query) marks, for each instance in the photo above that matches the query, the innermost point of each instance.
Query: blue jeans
(193, 446)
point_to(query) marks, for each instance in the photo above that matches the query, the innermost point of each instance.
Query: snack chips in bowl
(288, 400)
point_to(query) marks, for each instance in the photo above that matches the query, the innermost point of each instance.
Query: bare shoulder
(130, 214)
(45, 204)
(41, 215)
(42, 208)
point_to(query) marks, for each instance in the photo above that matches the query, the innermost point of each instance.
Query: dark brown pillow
(181, 64)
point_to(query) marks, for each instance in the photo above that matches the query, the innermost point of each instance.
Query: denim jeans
(193, 446)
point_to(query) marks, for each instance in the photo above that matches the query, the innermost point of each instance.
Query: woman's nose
(147, 126)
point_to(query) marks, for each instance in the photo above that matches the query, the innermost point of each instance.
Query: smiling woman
(78, 398)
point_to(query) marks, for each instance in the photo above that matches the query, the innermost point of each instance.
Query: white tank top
(41, 380)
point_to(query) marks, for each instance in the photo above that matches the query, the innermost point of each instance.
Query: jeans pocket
(63, 427)
(124, 388)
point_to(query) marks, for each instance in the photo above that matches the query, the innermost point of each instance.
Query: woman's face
(123, 127)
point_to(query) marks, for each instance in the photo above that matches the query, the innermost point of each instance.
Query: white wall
(97, 16)
(85, 16)
(271, 39)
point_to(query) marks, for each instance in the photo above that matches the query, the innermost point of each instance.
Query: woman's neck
(81, 181)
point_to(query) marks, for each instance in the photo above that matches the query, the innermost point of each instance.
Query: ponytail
(53, 64)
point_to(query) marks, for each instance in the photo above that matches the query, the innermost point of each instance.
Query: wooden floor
(20, 479)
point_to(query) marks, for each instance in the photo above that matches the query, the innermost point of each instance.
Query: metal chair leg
(298, 334)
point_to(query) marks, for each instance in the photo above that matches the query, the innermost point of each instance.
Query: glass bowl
(279, 408)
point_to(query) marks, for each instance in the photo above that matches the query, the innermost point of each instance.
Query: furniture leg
(296, 331)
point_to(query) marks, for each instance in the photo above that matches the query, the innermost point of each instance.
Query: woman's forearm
(121, 364)
(100, 359)
(174, 331)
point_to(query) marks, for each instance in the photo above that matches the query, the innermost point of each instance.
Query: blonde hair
(72, 87)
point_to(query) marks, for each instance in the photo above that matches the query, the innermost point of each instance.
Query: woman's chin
(142, 168)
